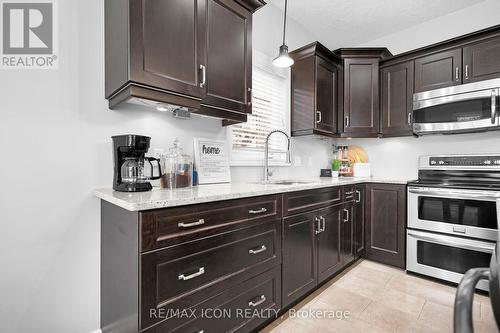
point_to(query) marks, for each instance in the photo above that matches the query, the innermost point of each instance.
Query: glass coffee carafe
(139, 170)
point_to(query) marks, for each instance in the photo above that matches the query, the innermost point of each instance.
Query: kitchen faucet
(266, 153)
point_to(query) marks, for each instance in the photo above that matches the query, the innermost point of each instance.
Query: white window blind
(269, 112)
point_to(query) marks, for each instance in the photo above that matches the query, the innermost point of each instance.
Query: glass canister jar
(178, 168)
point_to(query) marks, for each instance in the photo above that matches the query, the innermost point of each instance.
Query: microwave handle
(425, 103)
(455, 242)
(493, 107)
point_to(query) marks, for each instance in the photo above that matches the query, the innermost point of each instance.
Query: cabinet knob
(347, 122)
(466, 72)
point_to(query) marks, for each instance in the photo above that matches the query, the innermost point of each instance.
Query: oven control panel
(466, 161)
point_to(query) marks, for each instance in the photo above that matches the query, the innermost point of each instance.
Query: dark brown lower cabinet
(312, 250)
(385, 223)
(348, 249)
(299, 256)
(226, 312)
(359, 220)
(329, 242)
(239, 256)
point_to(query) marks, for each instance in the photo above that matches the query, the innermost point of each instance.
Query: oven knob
(434, 162)
(487, 162)
(497, 162)
(441, 162)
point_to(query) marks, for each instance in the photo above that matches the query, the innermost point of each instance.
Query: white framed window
(270, 111)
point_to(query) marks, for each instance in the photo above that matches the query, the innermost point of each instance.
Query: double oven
(452, 215)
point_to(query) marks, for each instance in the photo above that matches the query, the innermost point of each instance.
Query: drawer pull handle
(190, 225)
(261, 249)
(260, 211)
(261, 300)
(349, 194)
(202, 331)
(183, 277)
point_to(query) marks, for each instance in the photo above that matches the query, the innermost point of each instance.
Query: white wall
(397, 157)
(461, 22)
(56, 128)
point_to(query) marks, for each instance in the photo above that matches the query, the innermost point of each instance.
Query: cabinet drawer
(302, 201)
(232, 309)
(173, 226)
(182, 276)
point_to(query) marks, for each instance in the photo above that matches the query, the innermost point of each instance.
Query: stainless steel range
(452, 215)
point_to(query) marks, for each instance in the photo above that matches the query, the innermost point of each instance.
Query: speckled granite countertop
(163, 198)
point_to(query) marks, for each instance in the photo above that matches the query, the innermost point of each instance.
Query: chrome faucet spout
(266, 153)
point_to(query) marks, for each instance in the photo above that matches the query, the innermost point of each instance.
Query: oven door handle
(456, 194)
(444, 240)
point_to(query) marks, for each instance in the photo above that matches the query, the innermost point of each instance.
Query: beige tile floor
(381, 298)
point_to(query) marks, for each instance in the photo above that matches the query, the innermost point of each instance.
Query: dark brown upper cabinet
(360, 91)
(188, 53)
(386, 223)
(481, 61)
(396, 91)
(229, 58)
(438, 70)
(314, 91)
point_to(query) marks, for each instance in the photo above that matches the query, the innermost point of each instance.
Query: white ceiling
(349, 23)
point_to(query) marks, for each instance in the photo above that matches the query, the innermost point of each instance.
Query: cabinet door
(299, 256)
(348, 245)
(326, 96)
(359, 220)
(167, 44)
(361, 97)
(329, 242)
(397, 99)
(438, 70)
(482, 61)
(386, 221)
(229, 56)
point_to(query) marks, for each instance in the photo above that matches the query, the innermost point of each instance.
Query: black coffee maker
(132, 169)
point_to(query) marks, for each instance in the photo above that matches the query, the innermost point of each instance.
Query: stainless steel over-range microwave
(471, 107)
